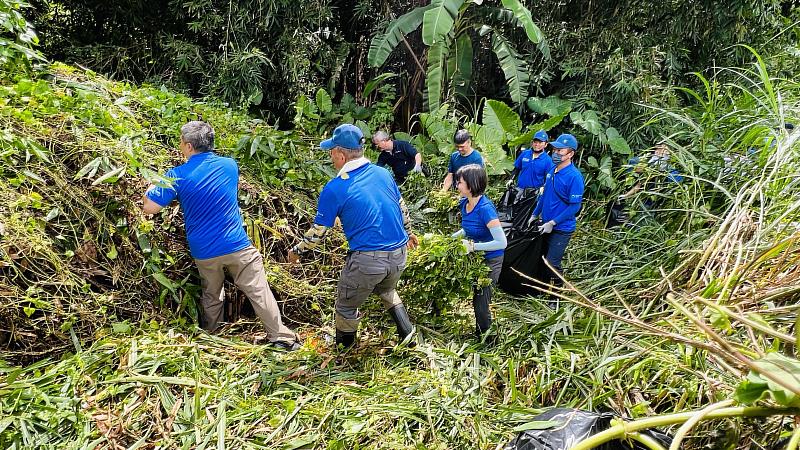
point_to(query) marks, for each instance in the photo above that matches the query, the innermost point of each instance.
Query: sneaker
(286, 346)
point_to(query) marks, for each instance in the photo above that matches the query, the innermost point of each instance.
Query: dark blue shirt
(367, 202)
(532, 170)
(207, 187)
(401, 158)
(457, 161)
(474, 223)
(562, 197)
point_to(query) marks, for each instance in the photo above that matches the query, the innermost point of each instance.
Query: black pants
(483, 296)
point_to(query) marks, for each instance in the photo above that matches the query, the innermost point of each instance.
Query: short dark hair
(475, 177)
(461, 136)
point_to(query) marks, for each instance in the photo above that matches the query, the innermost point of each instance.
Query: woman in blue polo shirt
(481, 231)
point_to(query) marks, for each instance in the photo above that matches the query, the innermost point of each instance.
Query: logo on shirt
(526, 159)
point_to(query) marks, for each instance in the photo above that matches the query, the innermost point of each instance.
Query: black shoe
(404, 326)
(286, 346)
(345, 338)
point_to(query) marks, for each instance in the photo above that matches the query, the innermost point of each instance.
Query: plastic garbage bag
(570, 426)
(523, 254)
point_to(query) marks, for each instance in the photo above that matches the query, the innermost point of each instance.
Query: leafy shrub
(440, 274)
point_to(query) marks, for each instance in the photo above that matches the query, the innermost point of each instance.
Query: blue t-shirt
(457, 161)
(532, 171)
(207, 187)
(368, 204)
(562, 190)
(474, 223)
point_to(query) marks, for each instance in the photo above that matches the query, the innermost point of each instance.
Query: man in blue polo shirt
(532, 164)
(401, 156)
(559, 203)
(463, 155)
(207, 187)
(375, 220)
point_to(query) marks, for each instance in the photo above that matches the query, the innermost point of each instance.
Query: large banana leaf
(524, 19)
(514, 68)
(551, 106)
(437, 65)
(459, 65)
(439, 19)
(383, 44)
(499, 116)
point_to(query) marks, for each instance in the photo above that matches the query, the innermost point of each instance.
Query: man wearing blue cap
(532, 164)
(559, 203)
(375, 220)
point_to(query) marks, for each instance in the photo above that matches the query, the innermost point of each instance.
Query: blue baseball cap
(346, 136)
(541, 135)
(565, 141)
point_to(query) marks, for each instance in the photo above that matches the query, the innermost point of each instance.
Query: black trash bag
(523, 253)
(522, 209)
(575, 426)
(616, 214)
(505, 207)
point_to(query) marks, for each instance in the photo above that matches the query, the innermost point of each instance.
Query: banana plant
(447, 29)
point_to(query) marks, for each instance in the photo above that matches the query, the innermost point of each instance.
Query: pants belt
(377, 253)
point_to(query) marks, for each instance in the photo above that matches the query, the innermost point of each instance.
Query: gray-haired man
(401, 156)
(207, 187)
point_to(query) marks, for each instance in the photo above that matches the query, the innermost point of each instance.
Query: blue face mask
(556, 157)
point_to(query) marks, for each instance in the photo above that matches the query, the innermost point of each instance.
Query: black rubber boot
(345, 338)
(403, 322)
(480, 304)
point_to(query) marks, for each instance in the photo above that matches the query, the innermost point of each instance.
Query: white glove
(510, 183)
(417, 168)
(469, 246)
(532, 220)
(546, 227)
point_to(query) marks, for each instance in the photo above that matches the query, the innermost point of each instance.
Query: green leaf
(757, 386)
(383, 44)
(110, 177)
(459, 65)
(514, 69)
(164, 281)
(437, 55)
(438, 21)
(375, 82)
(523, 16)
(112, 253)
(552, 106)
(121, 328)
(588, 120)
(617, 143)
(537, 425)
(499, 116)
(323, 101)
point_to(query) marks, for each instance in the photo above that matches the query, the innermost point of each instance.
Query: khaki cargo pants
(247, 269)
(365, 273)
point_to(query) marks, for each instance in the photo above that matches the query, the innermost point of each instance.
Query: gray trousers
(365, 273)
(247, 269)
(483, 296)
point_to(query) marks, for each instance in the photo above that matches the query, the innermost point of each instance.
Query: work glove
(510, 183)
(532, 220)
(546, 227)
(417, 168)
(469, 246)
